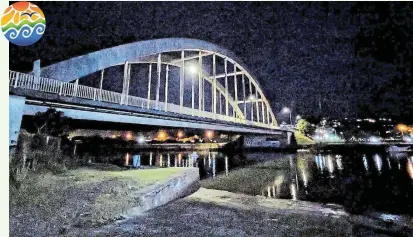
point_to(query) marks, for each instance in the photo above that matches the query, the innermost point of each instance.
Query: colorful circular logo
(23, 23)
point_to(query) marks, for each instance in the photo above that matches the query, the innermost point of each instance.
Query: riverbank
(220, 213)
(53, 204)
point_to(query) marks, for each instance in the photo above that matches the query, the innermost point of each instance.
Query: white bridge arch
(244, 103)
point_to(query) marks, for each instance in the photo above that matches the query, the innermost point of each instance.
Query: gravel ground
(220, 213)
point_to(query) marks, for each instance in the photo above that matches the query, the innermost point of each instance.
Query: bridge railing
(31, 82)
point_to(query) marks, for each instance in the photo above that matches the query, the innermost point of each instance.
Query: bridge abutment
(281, 140)
(16, 110)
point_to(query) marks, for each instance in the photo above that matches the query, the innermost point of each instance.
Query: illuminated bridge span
(188, 82)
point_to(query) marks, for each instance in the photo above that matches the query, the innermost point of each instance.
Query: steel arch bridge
(210, 81)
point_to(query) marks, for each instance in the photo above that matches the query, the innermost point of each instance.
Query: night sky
(332, 59)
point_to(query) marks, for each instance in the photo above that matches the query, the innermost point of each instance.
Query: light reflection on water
(380, 180)
(346, 179)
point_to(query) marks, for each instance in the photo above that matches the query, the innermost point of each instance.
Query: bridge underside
(105, 115)
(31, 103)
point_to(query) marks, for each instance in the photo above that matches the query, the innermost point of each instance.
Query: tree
(51, 122)
(303, 126)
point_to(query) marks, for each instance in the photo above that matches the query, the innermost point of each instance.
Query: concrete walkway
(220, 213)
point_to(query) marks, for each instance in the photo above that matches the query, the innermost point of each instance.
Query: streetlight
(210, 134)
(402, 128)
(193, 69)
(128, 136)
(287, 110)
(162, 136)
(180, 134)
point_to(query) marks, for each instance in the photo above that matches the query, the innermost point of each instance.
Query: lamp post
(287, 110)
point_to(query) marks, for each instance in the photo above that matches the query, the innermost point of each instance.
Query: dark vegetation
(47, 149)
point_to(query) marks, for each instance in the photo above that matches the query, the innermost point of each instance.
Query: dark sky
(353, 59)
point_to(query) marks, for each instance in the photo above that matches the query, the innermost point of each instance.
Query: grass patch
(138, 177)
(48, 203)
(250, 180)
(302, 139)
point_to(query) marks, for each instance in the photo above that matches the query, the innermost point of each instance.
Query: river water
(358, 179)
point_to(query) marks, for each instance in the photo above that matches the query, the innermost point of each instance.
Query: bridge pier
(16, 110)
(281, 140)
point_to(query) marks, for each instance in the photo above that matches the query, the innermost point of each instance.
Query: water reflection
(212, 163)
(355, 185)
(378, 162)
(356, 179)
(410, 167)
(365, 163)
(330, 165)
(339, 162)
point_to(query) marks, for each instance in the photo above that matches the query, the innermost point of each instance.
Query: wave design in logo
(23, 23)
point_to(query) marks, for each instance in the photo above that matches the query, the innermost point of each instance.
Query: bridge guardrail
(31, 82)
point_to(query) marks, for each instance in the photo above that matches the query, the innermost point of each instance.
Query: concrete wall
(262, 141)
(157, 195)
(16, 110)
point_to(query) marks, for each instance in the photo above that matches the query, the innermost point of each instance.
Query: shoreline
(210, 212)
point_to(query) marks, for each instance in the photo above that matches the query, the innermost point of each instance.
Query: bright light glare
(129, 136)
(210, 134)
(373, 139)
(286, 110)
(402, 127)
(180, 134)
(141, 139)
(251, 97)
(162, 135)
(193, 69)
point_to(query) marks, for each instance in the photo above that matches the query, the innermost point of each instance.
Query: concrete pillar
(214, 85)
(182, 81)
(16, 110)
(252, 104)
(226, 89)
(75, 88)
(149, 85)
(244, 97)
(262, 110)
(166, 87)
(126, 80)
(158, 82)
(101, 84)
(235, 84)
(36, 68)
(192, 94)
(257, 105)
(200, 80)
(289, 134)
